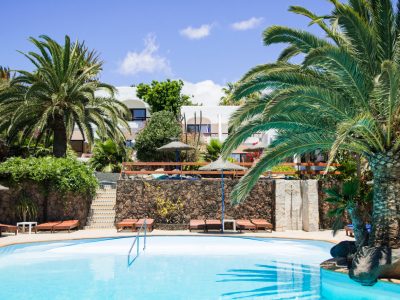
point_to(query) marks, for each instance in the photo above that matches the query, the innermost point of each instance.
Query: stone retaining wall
(57, 207)
(190, 199)
(299, 202)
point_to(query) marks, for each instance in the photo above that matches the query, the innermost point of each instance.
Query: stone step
(99, 227)
(103, 201)
(102, 221)
(102, 210)
(102, 207)
(102, 196)
(109, 192)
(99, 215)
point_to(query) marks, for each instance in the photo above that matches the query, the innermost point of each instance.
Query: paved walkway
(9, 239)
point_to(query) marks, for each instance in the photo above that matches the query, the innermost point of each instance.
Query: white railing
(136, 242)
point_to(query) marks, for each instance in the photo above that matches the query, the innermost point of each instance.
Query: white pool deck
(10, 239)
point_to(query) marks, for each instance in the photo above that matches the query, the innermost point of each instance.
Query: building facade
(212, 122)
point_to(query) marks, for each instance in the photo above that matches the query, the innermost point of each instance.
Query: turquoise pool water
(170, 268)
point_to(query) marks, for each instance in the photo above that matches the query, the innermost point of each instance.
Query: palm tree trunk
(360, 232)
(386, 202)
(60, 138)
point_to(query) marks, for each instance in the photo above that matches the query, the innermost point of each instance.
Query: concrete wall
(296, 205)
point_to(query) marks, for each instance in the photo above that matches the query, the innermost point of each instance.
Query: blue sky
(155, 39)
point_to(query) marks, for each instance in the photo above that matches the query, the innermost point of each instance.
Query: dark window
(138, 114)
(194, 128)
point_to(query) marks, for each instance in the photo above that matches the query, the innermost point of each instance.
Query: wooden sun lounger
(262, 224)
(213, 225)
(197, 225)
(49, 226)
(66, 225)
(149, 224)
(8, 228)
(127, 223)
(245, 225)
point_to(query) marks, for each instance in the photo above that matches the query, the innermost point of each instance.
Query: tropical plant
(198, 145)
(59, 94)
(229, 99)
(63, 174)
(343, 95)
(347, 199)
(165, 95)
(108, 156)
(26, 208)
(160, 130)
(213, 150)
(5, 78)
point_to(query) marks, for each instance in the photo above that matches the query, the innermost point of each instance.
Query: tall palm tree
(46, 104)
(5, 77)
(343, 95)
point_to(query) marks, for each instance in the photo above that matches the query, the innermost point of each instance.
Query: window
(195, 128)
(138, 114)
(129, 143)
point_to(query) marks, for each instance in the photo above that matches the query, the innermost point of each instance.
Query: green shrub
(159, 131)
(213, 150)
(64, 174)
(283, 168)
(108, 156)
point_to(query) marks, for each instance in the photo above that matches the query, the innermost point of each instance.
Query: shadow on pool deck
(288, 280)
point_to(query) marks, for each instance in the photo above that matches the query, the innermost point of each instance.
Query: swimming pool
(170, 268)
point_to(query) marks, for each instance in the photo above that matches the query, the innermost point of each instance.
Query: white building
(211, 121)
(140, 113)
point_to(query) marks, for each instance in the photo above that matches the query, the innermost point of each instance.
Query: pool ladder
(136, 242)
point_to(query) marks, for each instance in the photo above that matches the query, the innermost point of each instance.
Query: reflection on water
(283, 280)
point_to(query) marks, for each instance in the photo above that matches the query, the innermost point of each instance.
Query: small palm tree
(344, 95)
(108, 156)
(26, 208)
(346, 199)
(58, 95)
(213, 150)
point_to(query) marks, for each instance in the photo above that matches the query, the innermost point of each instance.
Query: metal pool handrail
(136, 241)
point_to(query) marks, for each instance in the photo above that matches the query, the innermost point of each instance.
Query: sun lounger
(262, 224)
(49, 226)
(127, 223)
(149, 224)
(197, 225)
(66, 225)
(213, 225)
(350, 229)
(245, 225)
(8, 228)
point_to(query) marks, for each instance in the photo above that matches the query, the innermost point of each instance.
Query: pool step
(102, 214)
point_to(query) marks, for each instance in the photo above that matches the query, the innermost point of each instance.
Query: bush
(108, 156)
(161, 128)
(213, 150)
(64, 174)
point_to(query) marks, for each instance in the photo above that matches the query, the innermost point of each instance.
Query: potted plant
(26, 208)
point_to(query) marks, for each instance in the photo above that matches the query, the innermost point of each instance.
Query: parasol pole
(223, 200)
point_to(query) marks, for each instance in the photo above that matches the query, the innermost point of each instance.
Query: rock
(368, 263)
(344, 249)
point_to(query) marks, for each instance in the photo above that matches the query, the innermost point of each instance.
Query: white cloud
(146, 61)
(247, 24)
(196, 33)
(204, 92)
